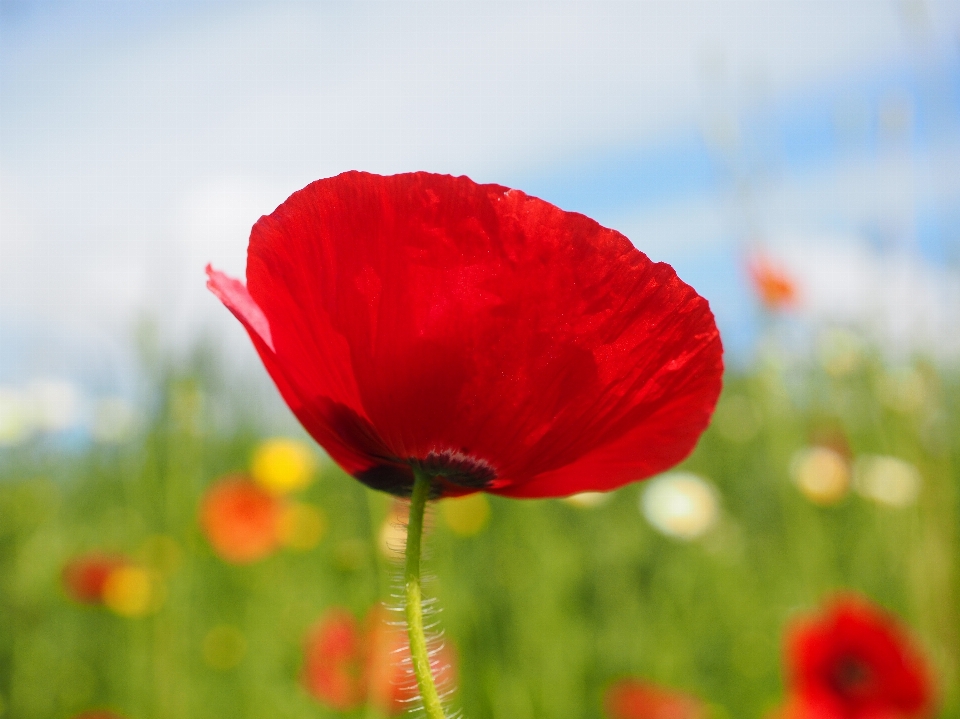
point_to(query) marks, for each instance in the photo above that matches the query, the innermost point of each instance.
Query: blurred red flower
(775, 287)
(334, 661)
(638, 699)
(241, 520)
(480, 334)
(390, 683)
(98, 714)
(346, 665)
(854, 661)
(84, 577)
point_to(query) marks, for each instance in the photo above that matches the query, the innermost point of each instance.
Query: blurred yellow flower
(466, 516)
(822, 474)
(283, 465)
(680, 504)
(301, 526)
(224, 647)
(132, 591)
(587, 500)
(887, 480)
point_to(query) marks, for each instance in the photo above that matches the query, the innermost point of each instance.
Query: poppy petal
(618, 463)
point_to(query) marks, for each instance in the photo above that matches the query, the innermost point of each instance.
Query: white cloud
(212, 225)
(139, 156)
(215, 218)
(900, 301)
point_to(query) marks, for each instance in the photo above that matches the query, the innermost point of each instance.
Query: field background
(546, 605)
(141, 140)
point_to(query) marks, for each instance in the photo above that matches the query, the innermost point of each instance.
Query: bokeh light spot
(680, 504)
(588, 500)
(466, 516)
(131, 591)
(821, 474)
(887, 480)
(392, 538)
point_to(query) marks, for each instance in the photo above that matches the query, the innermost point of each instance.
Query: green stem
(414, 608)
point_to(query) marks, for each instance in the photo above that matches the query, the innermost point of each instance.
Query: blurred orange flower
(775, 287)
(639, 699)
(241, 520)
(347, 666)
(84, 577)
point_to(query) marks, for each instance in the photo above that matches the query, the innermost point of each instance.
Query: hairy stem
(414, 608)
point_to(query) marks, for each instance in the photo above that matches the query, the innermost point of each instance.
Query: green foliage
(546, 606)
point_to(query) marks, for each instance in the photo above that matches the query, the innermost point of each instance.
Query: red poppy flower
(637, 699)
(241, 520)
(777, 290)
(484, 336)
(334, 661)
(85, 577)
(855, 662)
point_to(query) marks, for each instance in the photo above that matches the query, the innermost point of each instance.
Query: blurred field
(545, 602)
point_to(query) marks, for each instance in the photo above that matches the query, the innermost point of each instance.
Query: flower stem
(414, 608)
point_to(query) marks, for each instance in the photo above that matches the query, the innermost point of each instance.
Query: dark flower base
(447, 469)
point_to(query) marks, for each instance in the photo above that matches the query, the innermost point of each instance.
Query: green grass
(546, 606)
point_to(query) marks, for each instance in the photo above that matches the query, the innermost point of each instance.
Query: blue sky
(139, 140)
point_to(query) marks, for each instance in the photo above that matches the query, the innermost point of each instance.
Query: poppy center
(456, 467)
(447, 467)
(851, 676)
